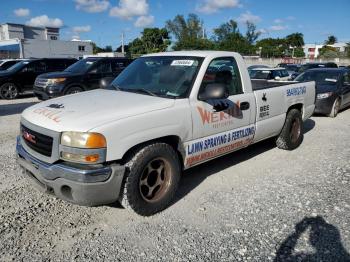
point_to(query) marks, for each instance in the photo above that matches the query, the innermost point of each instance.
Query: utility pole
(123, 42)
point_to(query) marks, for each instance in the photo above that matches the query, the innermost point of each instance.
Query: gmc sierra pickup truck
(164, 113)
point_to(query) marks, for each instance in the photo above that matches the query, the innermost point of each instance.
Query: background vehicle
(279, 74)
(20, 77)
(258, 66)
(164, 113)
(82, 76)
(308, 66)
(291, 68)
(7, 63)
(332, 89)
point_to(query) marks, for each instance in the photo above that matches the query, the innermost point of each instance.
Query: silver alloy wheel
(9, 91)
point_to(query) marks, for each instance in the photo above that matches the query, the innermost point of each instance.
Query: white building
(312, 51)
(22, 41)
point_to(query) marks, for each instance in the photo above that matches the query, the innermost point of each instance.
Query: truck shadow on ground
(13, 109)
(195, 176)
(324, 238)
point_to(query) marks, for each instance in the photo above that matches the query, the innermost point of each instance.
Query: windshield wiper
(140, 90)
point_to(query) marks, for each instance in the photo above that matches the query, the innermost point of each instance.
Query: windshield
(165, 76)
(259, 74)
(18, 66)
(320, 77)
(82, 66)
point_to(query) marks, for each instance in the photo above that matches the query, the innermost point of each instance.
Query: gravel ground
(258, 204)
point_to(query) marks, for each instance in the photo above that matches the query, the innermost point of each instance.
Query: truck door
(224, 125)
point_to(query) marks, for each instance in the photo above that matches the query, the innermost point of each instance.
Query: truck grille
(41, 82)
(37, 142)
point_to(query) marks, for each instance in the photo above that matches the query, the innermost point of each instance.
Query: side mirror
(105, 82)
(214, 91)
(277, 78)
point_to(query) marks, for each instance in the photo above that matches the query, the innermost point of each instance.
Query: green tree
(330, 40)
(151, 40)
(295, 40)
(272, 47)
(328, 52)
(188, 33)
(227, 37)
(96, 49)
(224, 30)
(347, 49)
(251, 35)
(108, 48)
(299, 52)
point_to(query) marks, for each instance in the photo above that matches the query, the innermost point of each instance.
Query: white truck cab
(164, 113)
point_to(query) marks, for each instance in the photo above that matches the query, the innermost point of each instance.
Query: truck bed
(266, 84)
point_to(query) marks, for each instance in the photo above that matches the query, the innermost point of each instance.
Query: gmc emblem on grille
(29, 137)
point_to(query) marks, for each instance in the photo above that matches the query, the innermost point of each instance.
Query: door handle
(244, 106)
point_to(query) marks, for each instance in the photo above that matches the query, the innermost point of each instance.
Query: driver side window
(223, 70)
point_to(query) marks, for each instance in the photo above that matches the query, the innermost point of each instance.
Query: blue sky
(103, 21)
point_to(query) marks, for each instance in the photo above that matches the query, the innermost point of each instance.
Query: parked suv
(308, 66)
(20, 77)
(84, 75)
(7, 63)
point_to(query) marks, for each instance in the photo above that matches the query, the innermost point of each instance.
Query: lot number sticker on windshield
(182, 63)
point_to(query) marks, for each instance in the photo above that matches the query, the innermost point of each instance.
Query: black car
(291, 68)
(332, 89)
(7, 63)
(84, 75)
(308, 66)
(20, 77)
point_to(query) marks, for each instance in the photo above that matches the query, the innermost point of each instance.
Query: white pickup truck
(164, 113)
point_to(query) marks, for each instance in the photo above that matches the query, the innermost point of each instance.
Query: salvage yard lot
(257, 204)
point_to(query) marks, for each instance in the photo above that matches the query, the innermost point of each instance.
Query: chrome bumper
(84, 186)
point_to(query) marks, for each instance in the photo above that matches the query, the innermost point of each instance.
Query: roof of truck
(200, 53)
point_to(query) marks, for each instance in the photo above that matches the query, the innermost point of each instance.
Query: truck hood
(86, 110)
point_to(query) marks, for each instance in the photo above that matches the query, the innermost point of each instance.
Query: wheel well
(75, 85)
(296, 106)
(172, 140)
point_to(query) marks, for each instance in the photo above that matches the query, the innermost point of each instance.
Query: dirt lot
(257, 204)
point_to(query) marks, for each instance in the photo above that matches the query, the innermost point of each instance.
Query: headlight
(56, 80)
(324, 95)
(84, 148)
(83, 140)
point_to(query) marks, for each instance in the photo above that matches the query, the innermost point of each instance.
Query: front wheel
(335, 108)
(291, 135)
(74, 90)
(9, 91)
(151, 179)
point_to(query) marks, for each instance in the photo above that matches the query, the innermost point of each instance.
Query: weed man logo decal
(57, 106)
(264, 97)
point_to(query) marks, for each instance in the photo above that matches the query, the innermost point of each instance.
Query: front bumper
(89, 186)
(324, 106)
(47, 93)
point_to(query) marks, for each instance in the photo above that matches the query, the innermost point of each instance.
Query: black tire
(73, 90)
(143, 164)
(9, 91)
(335, 108)
(291, 135)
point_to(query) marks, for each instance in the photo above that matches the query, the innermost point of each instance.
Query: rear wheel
(335, 108)
(74, 90)
(9, 91)
(151, 179)
(291, 135)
